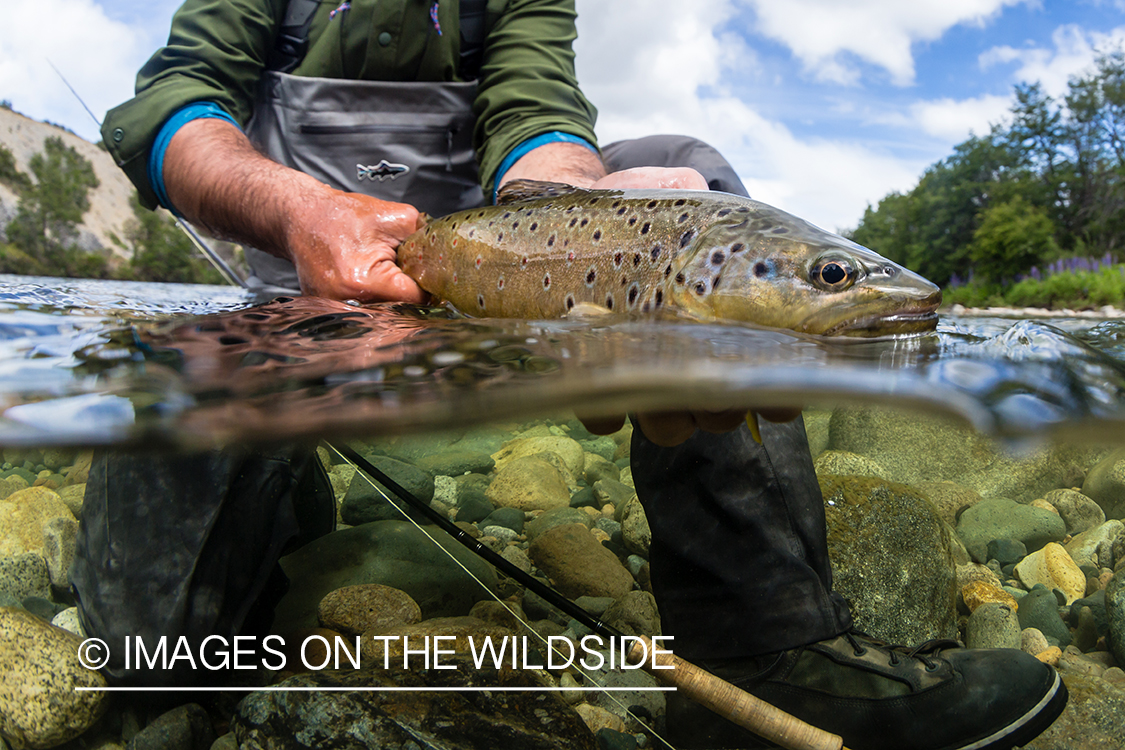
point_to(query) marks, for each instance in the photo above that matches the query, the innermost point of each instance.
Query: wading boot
(936, 696)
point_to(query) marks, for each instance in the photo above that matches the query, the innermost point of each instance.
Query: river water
(110, 363)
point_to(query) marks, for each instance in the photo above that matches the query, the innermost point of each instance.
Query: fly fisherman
(316, 132)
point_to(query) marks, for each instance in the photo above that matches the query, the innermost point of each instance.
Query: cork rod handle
(725, 699)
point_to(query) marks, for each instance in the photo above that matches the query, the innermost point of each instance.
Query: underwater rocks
(1005, 519)
(1092, 720)
(1099, 546)
(1079, 512)
(39, 671)
(391, 553)
(1105, 484)
(355, 609)
(566, 454)
(1052, 567)
(578, 565)
(529, 483)
(365, 503)
(914, 448)
(1115, 614)
(891, 559)
(993, 625)
(320, 720)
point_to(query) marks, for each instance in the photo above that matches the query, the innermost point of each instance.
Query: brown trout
(546, 248)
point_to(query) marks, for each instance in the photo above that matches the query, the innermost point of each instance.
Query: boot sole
(1027, 727)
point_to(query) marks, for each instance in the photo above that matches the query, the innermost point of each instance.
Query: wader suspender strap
(293, 37)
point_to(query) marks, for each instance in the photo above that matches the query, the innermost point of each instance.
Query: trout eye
(833, 275)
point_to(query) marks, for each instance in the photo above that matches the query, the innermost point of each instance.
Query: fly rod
(718, 695)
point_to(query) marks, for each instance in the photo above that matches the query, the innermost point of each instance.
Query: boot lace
(925, 652)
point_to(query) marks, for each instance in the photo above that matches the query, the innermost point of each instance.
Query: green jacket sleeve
(216, 52)
(527, 81)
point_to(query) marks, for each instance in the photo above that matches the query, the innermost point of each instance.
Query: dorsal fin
(518, 191)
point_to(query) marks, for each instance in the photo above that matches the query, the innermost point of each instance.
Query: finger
(668, 428)
(779, 415)
(602, 425)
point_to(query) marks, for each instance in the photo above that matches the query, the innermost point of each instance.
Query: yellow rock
(22, 516)
(976, 593)
(1041, 503)
(1055, 569)
(1051, 656)
(39, 671)
(566, 454)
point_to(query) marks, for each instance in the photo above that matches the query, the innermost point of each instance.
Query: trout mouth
(916, 320)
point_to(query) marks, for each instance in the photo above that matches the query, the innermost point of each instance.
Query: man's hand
(342, 244)
(343, 247)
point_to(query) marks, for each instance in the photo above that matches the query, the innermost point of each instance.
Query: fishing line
(370, 473)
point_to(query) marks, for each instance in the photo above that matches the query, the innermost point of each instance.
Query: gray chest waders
(398, 141)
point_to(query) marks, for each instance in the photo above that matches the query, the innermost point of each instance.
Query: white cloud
(1074, 51)
(98, 55)
(827, 35)
(647, 65)
(954, 119)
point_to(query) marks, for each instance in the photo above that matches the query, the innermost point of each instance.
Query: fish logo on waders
(381, 171)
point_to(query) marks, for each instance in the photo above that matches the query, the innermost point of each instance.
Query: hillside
(110, 205)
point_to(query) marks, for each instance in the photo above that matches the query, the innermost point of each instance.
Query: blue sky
(823, 106)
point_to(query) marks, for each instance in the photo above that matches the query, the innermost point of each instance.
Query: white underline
(407, 689)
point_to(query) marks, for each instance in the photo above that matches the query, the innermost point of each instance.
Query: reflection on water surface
(109, 362)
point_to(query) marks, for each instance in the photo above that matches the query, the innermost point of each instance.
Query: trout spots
(700, 288)
(500, 284)
(645, 228)
(597, 235)
(515, 225)
(686, 238)
(478, 262)
(668, 271)
(715, 283)
(594, 201)
(737, 247)
(658, 298)
(584, 222)
(572, 222)
(523, 261)
(609, 301)
(546, 281)
(621, 211)
(718, 258)
(780, 230)
(679, 203)
(480, 301)
(500, 237)
(655, 253)
(682, 219)
(636, 260)
(472, 232)
(618, 257)
(570, 302)
(680, 278)
(551, 241)
(632, 220)
(650, 205)
(634, 293)
(723, 212)
(454, 277)
(570, 258)
(762, 269)
(534, 226)
(591, 277)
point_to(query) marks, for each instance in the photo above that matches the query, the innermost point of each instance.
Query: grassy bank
(1071, 290)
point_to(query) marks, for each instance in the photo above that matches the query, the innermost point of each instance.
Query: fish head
(774, 269)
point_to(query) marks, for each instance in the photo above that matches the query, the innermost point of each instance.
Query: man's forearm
(558, 162)
(217, 179)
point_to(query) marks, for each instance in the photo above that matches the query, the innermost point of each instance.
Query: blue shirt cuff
(530, 145)
(182, 116)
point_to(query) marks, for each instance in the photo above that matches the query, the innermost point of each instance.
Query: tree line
(1043, 193)
(54, 198)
